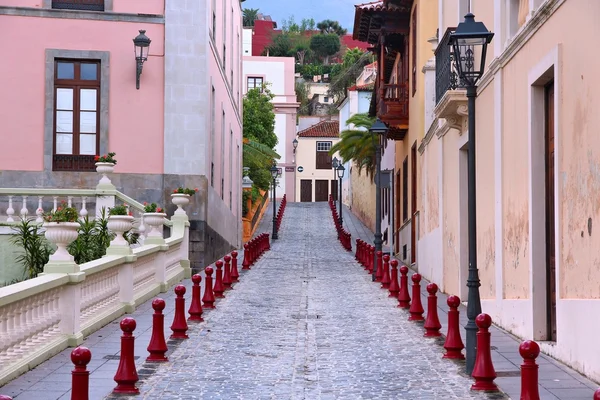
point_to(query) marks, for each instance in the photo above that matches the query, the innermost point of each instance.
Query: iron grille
(69, 162)
(88, 5)
(446, 77)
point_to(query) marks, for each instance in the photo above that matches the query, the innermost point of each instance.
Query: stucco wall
(362, 202)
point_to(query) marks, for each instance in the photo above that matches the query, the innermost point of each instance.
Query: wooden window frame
(76, 162)
(323, 165)
(81, 5)
(255, 79)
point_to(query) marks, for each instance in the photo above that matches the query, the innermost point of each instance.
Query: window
(224, 57)
(405, 189)
(326, 99)
(255, 82)
(76, 115)
(213, 102)
(414, 51)
(88, 5)
(323, 157)
(222, 150)
(214, 21)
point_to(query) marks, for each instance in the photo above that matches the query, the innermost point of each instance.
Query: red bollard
(195, 310)
(483, 371)
(394, 288)
(432, 322)
(227, 274)
(267, 240)
(403, 296)
(219, 288)
(3, 397)
(158, 346)
(416, 307)
(251, 252)
(453, 343)
(246, 262)
(597, 394)
(379, 271)
(179, 326)
(80, 389)
(371, 262)
(126, 376)
(357, 249)
(530, 350)
(209, 297)
(385, 274)
(235, 275)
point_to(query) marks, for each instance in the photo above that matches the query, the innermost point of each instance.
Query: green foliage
(93, 240)
(63, 213)
(152, 208)
(246, 194)
(325, 45)
(282, 45)
(36, 249)
(188, 191)
(249, 16)
(302, 98)
(261, 177)
(257, 154)
(259, 117)
(119, 210)
(106, 158)
(357, 144)
(353, 64)
(329, 26)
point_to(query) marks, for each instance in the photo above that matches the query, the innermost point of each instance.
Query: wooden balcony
(392, 108)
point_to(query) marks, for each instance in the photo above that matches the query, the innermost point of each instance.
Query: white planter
(61, 234)
(120, 224)
(180, 199)
(105, 168)
(155, 222)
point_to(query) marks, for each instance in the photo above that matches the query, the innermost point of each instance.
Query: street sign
(289, 169)
(300, 168)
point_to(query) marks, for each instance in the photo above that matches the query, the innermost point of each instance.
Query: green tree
(325, 45)
(356, 143)
(351, 68)
(249, 16)
(282, 45)
(302, 97)
(259, 118)
(329, 26)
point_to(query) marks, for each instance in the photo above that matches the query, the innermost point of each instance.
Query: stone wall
(362, 201)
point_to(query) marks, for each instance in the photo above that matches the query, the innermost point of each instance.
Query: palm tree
(255, 154)
(249, 16)
(356, 144)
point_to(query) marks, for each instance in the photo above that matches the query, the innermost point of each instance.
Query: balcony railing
(89, 5)
(446, 77)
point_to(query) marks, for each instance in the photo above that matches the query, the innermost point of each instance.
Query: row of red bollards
(344, 237)
(280, 211)
(126, 376)
(483, 371)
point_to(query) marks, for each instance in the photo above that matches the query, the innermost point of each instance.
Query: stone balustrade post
(181, 226)
(69, 304)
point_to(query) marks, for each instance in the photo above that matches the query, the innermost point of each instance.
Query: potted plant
(154, 216)
(181, 197)
(120, 220)
(61, 229)
(105, 164)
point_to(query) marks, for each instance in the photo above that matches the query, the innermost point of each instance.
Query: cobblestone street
(307, 323)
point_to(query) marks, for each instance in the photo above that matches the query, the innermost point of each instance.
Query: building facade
(77, 98)
(315, 177)
(537, 183)
(278, 74)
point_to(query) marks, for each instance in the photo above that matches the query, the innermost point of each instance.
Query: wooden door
(334, 189)
(413, 203)
(321, 190)
(306, 190)
(550, 207)
(398, 209)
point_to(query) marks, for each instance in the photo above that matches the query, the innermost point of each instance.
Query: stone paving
(305, 323)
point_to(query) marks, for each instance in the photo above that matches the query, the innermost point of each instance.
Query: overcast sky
(279, 10)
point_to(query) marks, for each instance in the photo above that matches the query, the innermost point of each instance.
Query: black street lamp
(141, 45)
(378, 130)
(469, 43)
(340, 173)
(274, 172)
(334, 164)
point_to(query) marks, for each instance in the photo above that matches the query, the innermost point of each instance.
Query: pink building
(72, 95)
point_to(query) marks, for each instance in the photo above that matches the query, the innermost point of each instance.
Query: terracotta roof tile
(362, 88)
(329, 129)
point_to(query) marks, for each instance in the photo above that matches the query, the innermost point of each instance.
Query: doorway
(413, 203)
(321, 190)
(334, 189)
(306, 190)
(549, 211)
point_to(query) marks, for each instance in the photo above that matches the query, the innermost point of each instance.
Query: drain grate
(309, 316)
(117, 358)
(508, 374)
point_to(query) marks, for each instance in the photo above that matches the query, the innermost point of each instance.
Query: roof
(328, 129)
(369, 18)
(362, 88)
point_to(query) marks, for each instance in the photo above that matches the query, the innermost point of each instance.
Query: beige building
(315, 178)
(538, 179)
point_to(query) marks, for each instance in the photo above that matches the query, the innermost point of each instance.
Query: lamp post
(465, 41)
(340, 173)
(379, 130)
(141, 44)
(274, 173)
(295, 145)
